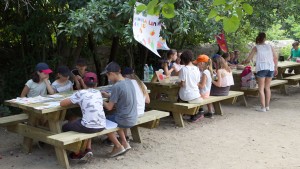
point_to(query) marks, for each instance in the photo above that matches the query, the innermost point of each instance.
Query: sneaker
(117, 151)
(267, 108)
(260, 109)
(127, 147)
(208, 115)
(87, 156)
(107, 142)
(196, 118)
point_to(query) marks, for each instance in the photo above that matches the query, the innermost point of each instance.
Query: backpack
(246, 77)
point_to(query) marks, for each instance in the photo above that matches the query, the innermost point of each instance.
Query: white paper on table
(110, 124)
(56, 96)
(30, 100)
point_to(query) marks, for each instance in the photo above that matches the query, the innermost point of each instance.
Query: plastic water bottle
(252, 82)
(146, 73)
(150, 72)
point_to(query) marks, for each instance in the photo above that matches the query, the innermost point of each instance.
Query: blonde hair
(139, 82)
(222, 64)
(208, 66)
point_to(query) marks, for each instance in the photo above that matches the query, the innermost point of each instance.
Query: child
(168, 65)
(79, 73)
(39, 84)
(189, 77)
(93, 117)
(224, 79)
(177, 65)
(62, 83)
(295, 53)
(140, 90)
(122, 96)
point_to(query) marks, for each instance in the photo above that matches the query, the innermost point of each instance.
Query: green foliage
(230, 12)
(156, 7)
(285, 51)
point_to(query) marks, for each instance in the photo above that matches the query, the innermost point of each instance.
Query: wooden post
(136, 134)
(218, 108)
(27, 142)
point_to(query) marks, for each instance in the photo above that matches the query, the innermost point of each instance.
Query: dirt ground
(241, 139)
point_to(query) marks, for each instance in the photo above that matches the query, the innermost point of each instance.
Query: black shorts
(78, 127)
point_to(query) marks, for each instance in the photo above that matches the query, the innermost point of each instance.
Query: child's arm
(166, 70)
(147, 98)
(202, 83)
(81, 83)
(25, 91)
(217, 82)
(49, 87)
(66, 102)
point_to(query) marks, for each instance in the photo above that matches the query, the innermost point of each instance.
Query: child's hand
(105, 94)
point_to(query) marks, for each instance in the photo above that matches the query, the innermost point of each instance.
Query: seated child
(93, 117)
(123, 97)
(224, 79)
(177, 65)
(62, 83)
(39, 84)
(79, 73)
(205, 66)
(189, 77)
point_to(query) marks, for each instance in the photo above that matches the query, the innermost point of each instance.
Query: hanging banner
(146, 29)
(221, 41)
(162, 44)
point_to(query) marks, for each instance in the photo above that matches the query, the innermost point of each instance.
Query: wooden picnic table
(54, 116)
(282, 66)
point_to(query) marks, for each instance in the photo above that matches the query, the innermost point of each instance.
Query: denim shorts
(112, 117)
(265, 73)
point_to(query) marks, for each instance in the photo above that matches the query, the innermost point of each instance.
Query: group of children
(127, 97)
(197, 79)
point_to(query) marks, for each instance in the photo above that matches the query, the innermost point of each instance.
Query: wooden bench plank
(293, 80)
(69, 137)
(273, 84)
(12, 120)
(211, 99)
(184, 108)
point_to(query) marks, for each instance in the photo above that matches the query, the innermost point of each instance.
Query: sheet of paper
(110, 124)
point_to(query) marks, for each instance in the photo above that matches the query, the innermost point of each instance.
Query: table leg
(218, 108)
(280, 73)
(27, 142)
(178, 118)
(54, 125)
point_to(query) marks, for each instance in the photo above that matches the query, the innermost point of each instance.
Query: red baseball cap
(90, 77)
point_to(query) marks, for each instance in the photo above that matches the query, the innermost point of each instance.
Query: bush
(285, 51)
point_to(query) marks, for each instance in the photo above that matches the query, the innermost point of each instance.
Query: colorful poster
(146, 29)
(162, 44)
(221, 41)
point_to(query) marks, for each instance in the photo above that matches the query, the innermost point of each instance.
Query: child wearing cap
(79, 73)
(93, 118)
(62, 83)
(204, 64)
(39, 84)
(123, 97)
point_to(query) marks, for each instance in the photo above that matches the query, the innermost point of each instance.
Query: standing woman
(266, 68)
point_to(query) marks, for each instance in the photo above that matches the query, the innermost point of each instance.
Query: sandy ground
(241, 139)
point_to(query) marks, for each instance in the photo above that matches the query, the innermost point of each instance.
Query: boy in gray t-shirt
(123, 97)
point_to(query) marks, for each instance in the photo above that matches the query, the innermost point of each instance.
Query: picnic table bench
(12, 120)
(274, 84)
(293, 80)
(192, 108)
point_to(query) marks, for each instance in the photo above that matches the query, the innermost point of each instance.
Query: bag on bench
(246, 77)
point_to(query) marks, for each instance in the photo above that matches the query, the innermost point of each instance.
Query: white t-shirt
(177, 67)
(264, 58)
(208, 82)
(36, 89)
(140, 98)
(91, 104)
(58, 87)
(190, 75)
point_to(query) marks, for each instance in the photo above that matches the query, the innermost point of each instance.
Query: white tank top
(264, 58)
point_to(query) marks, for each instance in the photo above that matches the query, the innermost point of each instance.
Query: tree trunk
(114, 48)
(92, 46)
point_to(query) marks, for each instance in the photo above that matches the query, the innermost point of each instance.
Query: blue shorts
(112, 117)
(265, 73)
